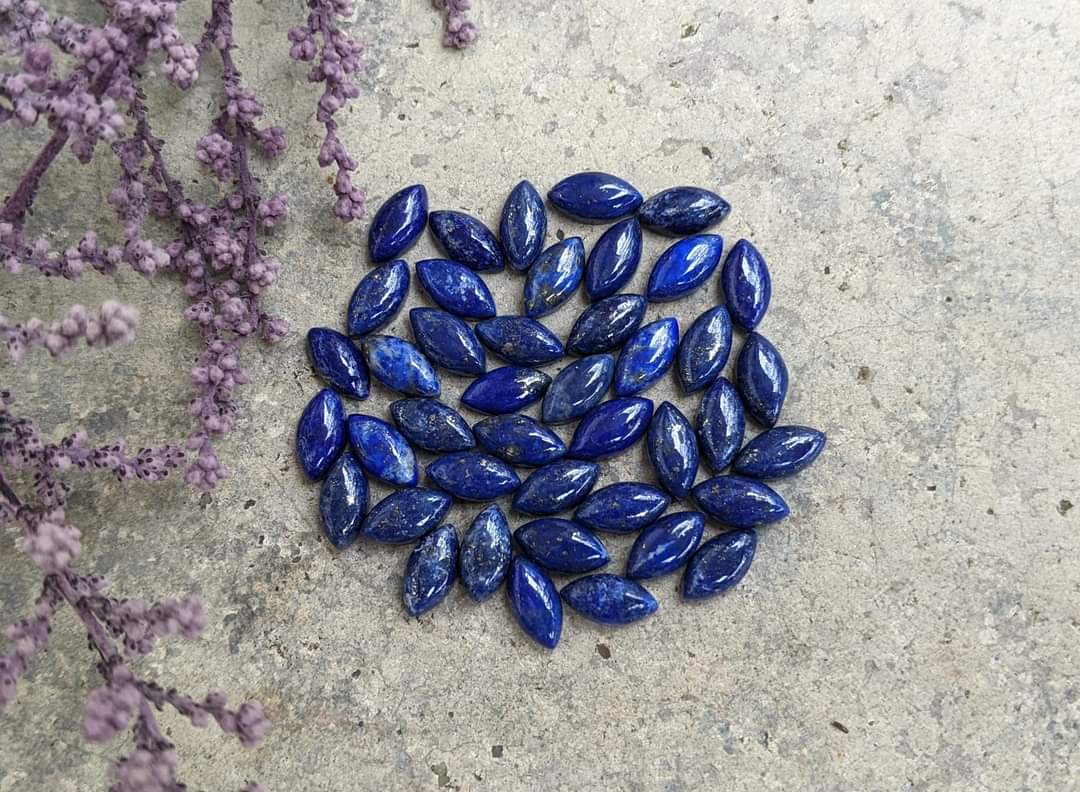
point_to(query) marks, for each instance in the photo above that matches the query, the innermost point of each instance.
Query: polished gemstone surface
(506, 390)
(647, 356)
(405, 515)
(431, 570)
(704, 349)
(523, 226)
(520, 340)
(747, 286)
(377, 298)
(740, 502)
(609, 599)
(382, 450)
(665, 545)
(485, 553)
(343, 501)
(684, 267)
(519, 440)
(577, 389)
(447, 341)
(673, 450)
(467, 240)
(721, 423)
(556, 487)
(781, 451)
(611, 427)
(455, 288)
(337, 361)
(400, 366)
(614, 259)
(719, 564)
(554, 276)
(398, 223)
(473, 476)
(678, 211)
(623, 507)
(535, 602)
(561, 545)
(431, 425)
(606, 324)
(762, 379)
(594, 197)
(320, 433)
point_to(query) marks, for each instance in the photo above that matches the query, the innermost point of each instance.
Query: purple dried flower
(460, 33)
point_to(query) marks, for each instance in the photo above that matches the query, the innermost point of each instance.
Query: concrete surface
(909, 170)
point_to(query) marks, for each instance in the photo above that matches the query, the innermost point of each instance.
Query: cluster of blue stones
(478, 463)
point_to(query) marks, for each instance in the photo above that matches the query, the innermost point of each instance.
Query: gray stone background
(909, 170)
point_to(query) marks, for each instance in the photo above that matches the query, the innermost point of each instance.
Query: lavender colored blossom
(460, 32)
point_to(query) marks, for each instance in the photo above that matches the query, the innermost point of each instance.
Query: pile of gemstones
(613, 352)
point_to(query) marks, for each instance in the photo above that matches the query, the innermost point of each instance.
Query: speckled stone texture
(909, 171)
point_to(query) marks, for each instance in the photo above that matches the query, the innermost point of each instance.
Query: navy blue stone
(431, 425)
(577, 389)
(561, 545)
(473, 476)
(704, 349)
(719, 564)
(383, 451)
(556, 487)
(405, 515)
(614, 259)
(781, 451)
(665, 545)
(762, 379)
(684, 267)
(611, 427)
(523, 226)
(721, 423)
(377, 298)
(506, 390)
(594, 197)
(447, 341)
(485, 553)
(606, 324)
(431, 570)
(554, 276)
(398, 223)
(679, 211)
(320, 433)
(609, 599)
(343, 501)
(624, 507)
(746, 284)
(673, 450)
(535, 602)
(519, 440)
(338, 362)
(520, 340)
(466, 239)
(647, 356)
(400, 366)
(455, 288)
(740, 502)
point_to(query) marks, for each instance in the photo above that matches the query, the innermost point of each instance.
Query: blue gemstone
(554, 276)
(466, 239)
(614, 259)
(740, 502)
(431, 425)
(431, 570)
(447, 341)
(382, 450)
(594, 197)
(762, 378)
(679, 211)
(746, 284)
(506, 390)
(535, 602)
(473, 476)
(520, 340)
(523, 226)
(519, 440)
(704, 349)
(556, 487)
(398, 223)
(665, 545)
(622, 508)
(561, 545)
(343, 501)
(320, 434)
(606, 324)
(400, 366)
(779, 452)
(338, 362)
(719, 564)
(405, 515)
(647, 356)
(485, 553)
(609, 599)
(455, 288)
(610, 428)
(377, 298)
(577, 389)
(673, 450)
(683, 267)
(721, 423)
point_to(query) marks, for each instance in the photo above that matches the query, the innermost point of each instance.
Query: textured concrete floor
(909, 170)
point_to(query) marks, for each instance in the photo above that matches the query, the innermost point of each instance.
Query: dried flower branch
(460, 32)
